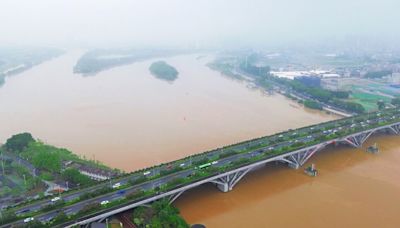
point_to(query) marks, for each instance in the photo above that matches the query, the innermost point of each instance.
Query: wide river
(128, 119)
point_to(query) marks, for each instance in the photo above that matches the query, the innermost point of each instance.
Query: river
(128, 119)
(353, 189)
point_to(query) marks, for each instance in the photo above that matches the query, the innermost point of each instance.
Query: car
(146, 173)
(214, 162)
(25, 210)
(121, 192)
(181, 165)
(104, 202)
(28, 219)
(55, 199)
(116, 185)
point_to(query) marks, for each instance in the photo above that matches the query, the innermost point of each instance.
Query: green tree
(18, 142)
(75, 177)
(381, 104)
(60, 218)
(312, 104)
(8, 216)
(47, 160)
(396, 101)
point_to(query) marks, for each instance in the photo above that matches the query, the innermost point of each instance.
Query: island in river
(162, 70)
(97, 60)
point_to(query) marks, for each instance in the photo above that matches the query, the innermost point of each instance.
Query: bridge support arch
(173, 197)
(395, 128)
(359, 139)
(226, 183)
(297, 160)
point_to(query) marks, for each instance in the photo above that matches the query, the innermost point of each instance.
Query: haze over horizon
(209, 23)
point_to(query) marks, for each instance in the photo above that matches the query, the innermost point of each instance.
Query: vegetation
(312, 104)
(29, 163)
(160, 214)
(322, 95)
(366, 99)
(95, 61)
(396, 101)
(18, 142)
(381, 104)
(16, 60)
(260, 71)
(225, 68)
(378, 74)
(162, 70)
(75, 177)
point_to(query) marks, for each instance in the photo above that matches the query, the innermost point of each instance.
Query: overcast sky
(203, 22)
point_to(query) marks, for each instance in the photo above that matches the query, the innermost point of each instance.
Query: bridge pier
(226, 183)
(359, 139)
(297, 160)
(223, 187)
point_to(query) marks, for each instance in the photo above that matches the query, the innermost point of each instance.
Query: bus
(204, 165)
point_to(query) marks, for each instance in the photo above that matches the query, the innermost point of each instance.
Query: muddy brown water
(128, 119)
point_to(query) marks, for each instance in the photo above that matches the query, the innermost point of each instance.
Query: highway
(190, 166)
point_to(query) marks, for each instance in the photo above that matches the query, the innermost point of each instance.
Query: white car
(214, 162)
(28, 219)
(116, 185)
(55, 199)
(146, 173)
(104, 202)
(181, 165)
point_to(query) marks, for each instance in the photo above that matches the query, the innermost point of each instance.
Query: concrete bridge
(226, 181)
(224, 167)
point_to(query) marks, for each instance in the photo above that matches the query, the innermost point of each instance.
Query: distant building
(395, 79)
(330, 75)
(98, 175)
(92, 172)
(336, 84)
(309, 80)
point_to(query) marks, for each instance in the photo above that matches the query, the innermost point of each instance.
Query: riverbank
(33, 170)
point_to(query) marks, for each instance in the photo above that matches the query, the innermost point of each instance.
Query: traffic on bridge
(223, 166)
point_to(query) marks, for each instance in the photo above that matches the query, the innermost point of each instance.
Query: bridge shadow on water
(274, 178)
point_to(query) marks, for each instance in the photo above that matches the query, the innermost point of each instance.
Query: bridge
(224, 167)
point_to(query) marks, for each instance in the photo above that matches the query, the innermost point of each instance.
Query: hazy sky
(204, 22)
